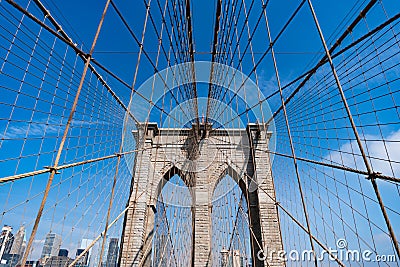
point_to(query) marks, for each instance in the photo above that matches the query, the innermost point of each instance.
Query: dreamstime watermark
(342, 253)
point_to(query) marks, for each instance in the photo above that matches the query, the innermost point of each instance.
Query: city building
(31, 264)
(112, 255)
(18, 244)
(84, 260)
(63, 252)
(84, 244)
(58, 261)
(232, 259)
(18, 247)
(6, 240)
(51, 245)
(224, 257)
(10, 260)
(237, 260)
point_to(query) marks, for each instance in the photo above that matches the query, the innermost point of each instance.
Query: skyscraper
(51, 245)
(10, 260)
(63, 252)
(6, 240)
(82, 261)
(224, 257)
(237, 260)
(58, 261)
(112, 254)
(17, 246)
(87, 258)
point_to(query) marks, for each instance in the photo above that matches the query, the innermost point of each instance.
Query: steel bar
(282, 30)
(329, 251)
(110, 206)
(377, 175)
(83, 253)
(214, 50)
(126, 24)
(66, 166)
(61, 146)
(355, 131)
(23, 175)
(64, 37)
(191, 52)
(325, 58)
(291, 142)
(49, 169)
(314, 69)
(344, 168)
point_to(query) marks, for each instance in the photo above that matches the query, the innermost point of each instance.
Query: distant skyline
(51, 246)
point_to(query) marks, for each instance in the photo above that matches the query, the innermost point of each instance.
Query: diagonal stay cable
(321, 163)
(313, 70)
(47, 14)
(309, 73)
(145, 52)
(61, 146)
(84, 55)
(70, 165)
(325, 57)
(292, 217)
(103, 243)
(355, 131)
(261, 58)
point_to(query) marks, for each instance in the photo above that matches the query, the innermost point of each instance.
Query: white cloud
(27, 129)
(38, 128)
(380, 152)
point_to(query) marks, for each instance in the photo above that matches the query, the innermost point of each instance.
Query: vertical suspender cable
(60, 149)
(371, 174)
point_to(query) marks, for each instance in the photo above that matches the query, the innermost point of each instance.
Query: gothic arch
(165, 177)
(233, 172)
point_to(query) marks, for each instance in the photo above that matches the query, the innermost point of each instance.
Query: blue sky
(33, 113)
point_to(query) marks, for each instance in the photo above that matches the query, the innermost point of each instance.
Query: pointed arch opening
(230, 223)
(173, 222)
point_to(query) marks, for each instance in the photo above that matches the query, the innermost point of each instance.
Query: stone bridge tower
(201, 156)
